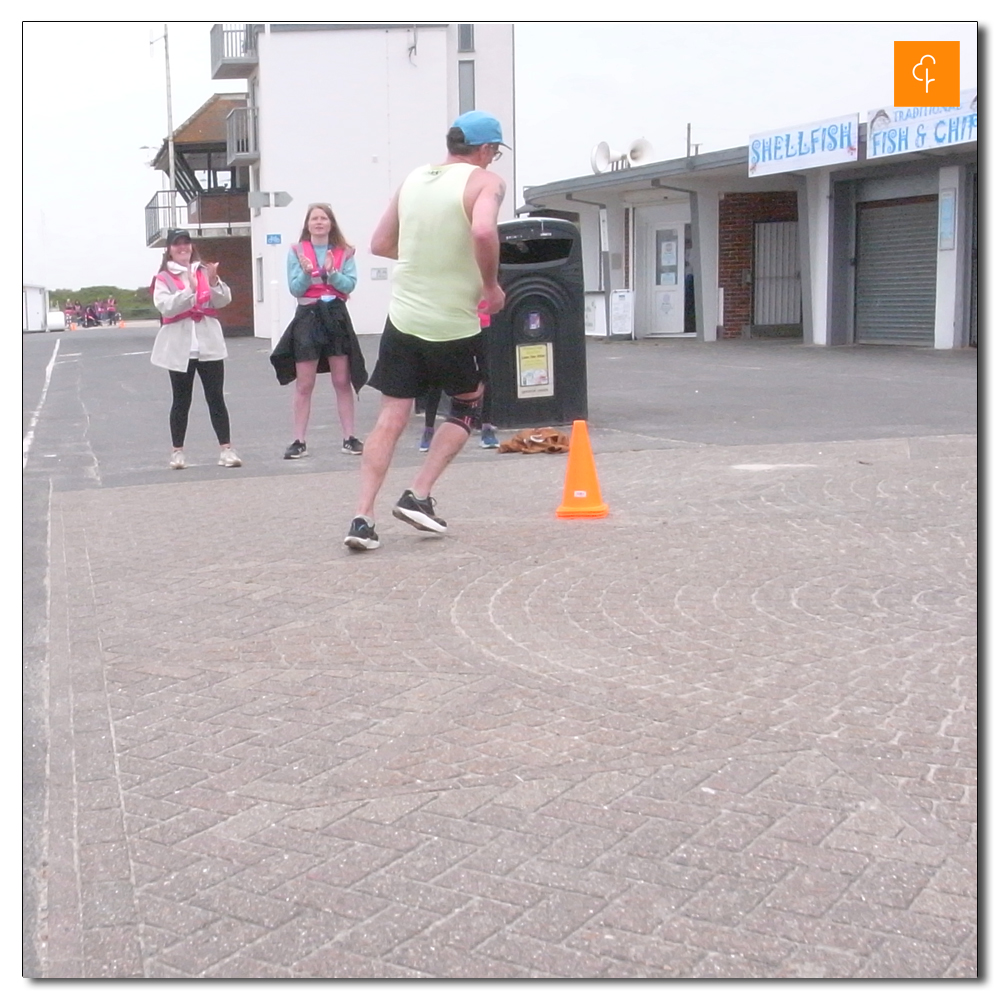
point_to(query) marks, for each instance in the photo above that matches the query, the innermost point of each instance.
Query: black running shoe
(419, 513)
(361, 535)
(352, 446)
(297, 449)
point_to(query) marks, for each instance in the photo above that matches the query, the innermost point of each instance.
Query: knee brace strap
(466, 413)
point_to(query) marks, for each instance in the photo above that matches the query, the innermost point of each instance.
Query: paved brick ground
(728, 732)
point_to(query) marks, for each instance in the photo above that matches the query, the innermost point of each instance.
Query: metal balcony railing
(209, 216)
(241, 137)
(234, 50)
(165, 210)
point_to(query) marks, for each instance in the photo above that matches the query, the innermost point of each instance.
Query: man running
(441, 226)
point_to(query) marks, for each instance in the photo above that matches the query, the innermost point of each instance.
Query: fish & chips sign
(892, 131)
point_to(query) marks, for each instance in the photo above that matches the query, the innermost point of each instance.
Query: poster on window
(534, 370)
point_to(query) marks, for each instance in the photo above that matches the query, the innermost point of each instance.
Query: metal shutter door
(777, 288)
(896, 272)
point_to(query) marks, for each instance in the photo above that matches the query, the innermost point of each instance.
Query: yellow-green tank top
(436, 284)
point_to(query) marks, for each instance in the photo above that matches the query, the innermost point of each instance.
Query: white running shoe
(177, 459)
(229, 459)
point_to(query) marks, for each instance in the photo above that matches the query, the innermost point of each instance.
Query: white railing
(233, 49)
(165, 210)
(241, 136)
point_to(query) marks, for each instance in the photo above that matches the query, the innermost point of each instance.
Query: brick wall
(235, 268)
(229, 207)
(737, 215)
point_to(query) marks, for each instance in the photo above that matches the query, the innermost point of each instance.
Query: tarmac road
(728, 732)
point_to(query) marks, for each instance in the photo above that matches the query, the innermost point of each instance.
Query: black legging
(212, 374)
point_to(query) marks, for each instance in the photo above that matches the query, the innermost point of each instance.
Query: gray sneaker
(361, 535)
(419, 513)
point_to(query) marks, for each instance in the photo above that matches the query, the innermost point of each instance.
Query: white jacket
(172, 347)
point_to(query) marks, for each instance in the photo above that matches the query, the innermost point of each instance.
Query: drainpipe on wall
(605, 258)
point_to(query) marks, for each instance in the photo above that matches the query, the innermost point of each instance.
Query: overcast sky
(102, 96)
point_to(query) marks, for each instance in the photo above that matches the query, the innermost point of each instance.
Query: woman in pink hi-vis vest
(188, 294)
(321, 338)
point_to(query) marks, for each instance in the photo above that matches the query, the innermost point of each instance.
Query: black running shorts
(408, 366)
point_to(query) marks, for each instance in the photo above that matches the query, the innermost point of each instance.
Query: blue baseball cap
(479, 128)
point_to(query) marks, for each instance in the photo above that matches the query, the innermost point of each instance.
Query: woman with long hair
(321, 275)
(187, 294)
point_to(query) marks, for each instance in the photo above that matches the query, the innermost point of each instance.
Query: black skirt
(321, 330)
(316, 333)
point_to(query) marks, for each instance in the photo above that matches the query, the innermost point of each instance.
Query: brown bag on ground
(537, 439)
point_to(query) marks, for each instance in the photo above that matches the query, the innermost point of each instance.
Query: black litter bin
(535, 348)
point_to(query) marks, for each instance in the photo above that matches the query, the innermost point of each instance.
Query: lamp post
(171, 164)
(170, 131)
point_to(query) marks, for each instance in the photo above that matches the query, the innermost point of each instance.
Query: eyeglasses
(497, 153)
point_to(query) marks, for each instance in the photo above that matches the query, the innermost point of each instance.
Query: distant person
(187, 294)
(428, 406)
(321, 275)
(441, 226)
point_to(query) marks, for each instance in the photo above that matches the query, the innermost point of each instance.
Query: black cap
(176, 235)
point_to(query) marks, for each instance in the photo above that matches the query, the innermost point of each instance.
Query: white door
(658, 274)
(667, 275)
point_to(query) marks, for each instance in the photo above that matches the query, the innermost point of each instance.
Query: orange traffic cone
(121, 323)
(582, 493)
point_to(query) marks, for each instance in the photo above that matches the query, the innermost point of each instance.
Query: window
(255, 185)
(211, 171)
(466, 86)
(259, 277)
(466, 38)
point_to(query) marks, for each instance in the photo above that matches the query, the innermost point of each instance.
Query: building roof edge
(647, 172)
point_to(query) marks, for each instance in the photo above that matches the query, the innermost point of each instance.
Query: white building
(840, 232)
(341, 113)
